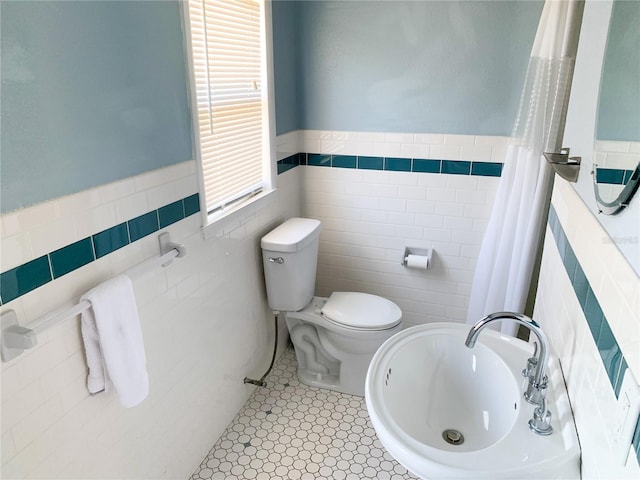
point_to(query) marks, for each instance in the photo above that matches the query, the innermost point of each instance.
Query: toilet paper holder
(427, 253)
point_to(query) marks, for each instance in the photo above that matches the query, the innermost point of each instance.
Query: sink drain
(453, 437)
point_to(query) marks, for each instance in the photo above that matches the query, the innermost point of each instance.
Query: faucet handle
(541, 421)
(532, 363)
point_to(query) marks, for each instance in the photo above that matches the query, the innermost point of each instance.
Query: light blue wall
(414, 66)
(619, 109)
(92, 92)
(286, 59)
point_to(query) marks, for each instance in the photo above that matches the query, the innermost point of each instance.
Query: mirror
(583, 122)
(616, 158)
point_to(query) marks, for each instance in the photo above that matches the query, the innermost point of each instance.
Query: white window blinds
(227, 52)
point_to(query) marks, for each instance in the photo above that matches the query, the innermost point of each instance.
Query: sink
(447, 411)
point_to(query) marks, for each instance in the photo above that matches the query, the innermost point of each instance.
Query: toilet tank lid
(362, 310)
(292, 235)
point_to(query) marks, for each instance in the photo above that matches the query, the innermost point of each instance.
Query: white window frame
(269, 168)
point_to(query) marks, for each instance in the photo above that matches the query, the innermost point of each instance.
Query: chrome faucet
(536, 366)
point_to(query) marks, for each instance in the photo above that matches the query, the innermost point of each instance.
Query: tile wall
(589, 303)
(385, 191)
(202, 339)
(205, 321)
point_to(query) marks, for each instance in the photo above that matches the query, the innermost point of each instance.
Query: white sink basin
(447, 411)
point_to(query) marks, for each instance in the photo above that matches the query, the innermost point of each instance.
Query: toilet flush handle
(276, 260)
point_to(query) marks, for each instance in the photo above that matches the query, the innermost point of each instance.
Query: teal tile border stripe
(27, 277)
(392, 164)
(612, 358)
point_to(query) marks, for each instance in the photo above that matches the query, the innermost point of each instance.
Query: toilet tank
(289, 256)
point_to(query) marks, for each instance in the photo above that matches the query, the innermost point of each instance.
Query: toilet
(334, 338)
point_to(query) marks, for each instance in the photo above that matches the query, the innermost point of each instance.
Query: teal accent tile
(593, 313)
(610, 176)
(554, 223)
(302, 159)
(143, 225)
(288, 163)
(609, 352)
(486, 169)
(620, 376)
(24, 278)
(371, 163)
(284, 167)
(627, 176)
(191, 204)
(71, 257)
(570, 261)
(110, 240)
(455, 167)
(580, 285)
(426, 165)
(397, 164)
(319, 160)
(169, 214)
(636, 440)
(561, 242)
(344, 161)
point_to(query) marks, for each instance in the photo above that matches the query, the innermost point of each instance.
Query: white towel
(113, 342)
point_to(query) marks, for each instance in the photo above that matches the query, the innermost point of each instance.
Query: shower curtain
(508, 252)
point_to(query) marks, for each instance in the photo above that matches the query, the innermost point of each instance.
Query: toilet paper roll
(417, 261)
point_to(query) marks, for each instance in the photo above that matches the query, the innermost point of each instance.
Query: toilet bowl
(334, 338)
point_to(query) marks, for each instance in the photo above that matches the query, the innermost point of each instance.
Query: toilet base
(330, 357)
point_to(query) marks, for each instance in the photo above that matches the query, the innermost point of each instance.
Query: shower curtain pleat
(508, 252)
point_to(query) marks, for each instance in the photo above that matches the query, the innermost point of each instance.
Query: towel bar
(14, 339)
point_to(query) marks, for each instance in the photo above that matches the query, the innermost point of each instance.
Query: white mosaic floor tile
(289, 430)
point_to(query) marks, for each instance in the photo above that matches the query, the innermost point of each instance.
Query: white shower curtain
(508, 252)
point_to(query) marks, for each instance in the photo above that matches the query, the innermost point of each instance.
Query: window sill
(220, 224)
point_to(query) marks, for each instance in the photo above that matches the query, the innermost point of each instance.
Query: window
(229, 81)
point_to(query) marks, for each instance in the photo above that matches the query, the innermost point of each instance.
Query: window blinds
(226, 42)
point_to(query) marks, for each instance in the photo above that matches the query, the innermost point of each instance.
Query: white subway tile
(95, 220)
(476, 153)
(611, 146)
(429, 139)
(54, 235)
(37, 215)
(384, 149)
(449, 209)
(30, 427)
(10, 225)
(431, 221)
(332, 146)
(393, 204)
(406, 138)
(16, 250)
(371, 137)
(420, 206)
(414, 150)
(445, 152)
(20, 405)
(131, 206)
(436, 235)
(8, 447)
(385, 190)
(460, 140)
(353, 147)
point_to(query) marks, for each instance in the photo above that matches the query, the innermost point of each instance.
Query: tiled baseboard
(393, 164)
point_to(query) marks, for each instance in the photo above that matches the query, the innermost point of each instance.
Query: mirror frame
(623, 199)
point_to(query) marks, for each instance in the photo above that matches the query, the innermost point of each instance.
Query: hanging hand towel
(113, 342)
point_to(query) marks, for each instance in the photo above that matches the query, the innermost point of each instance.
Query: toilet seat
(361, 311)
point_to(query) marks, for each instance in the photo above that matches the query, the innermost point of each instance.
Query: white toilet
(334, 338)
